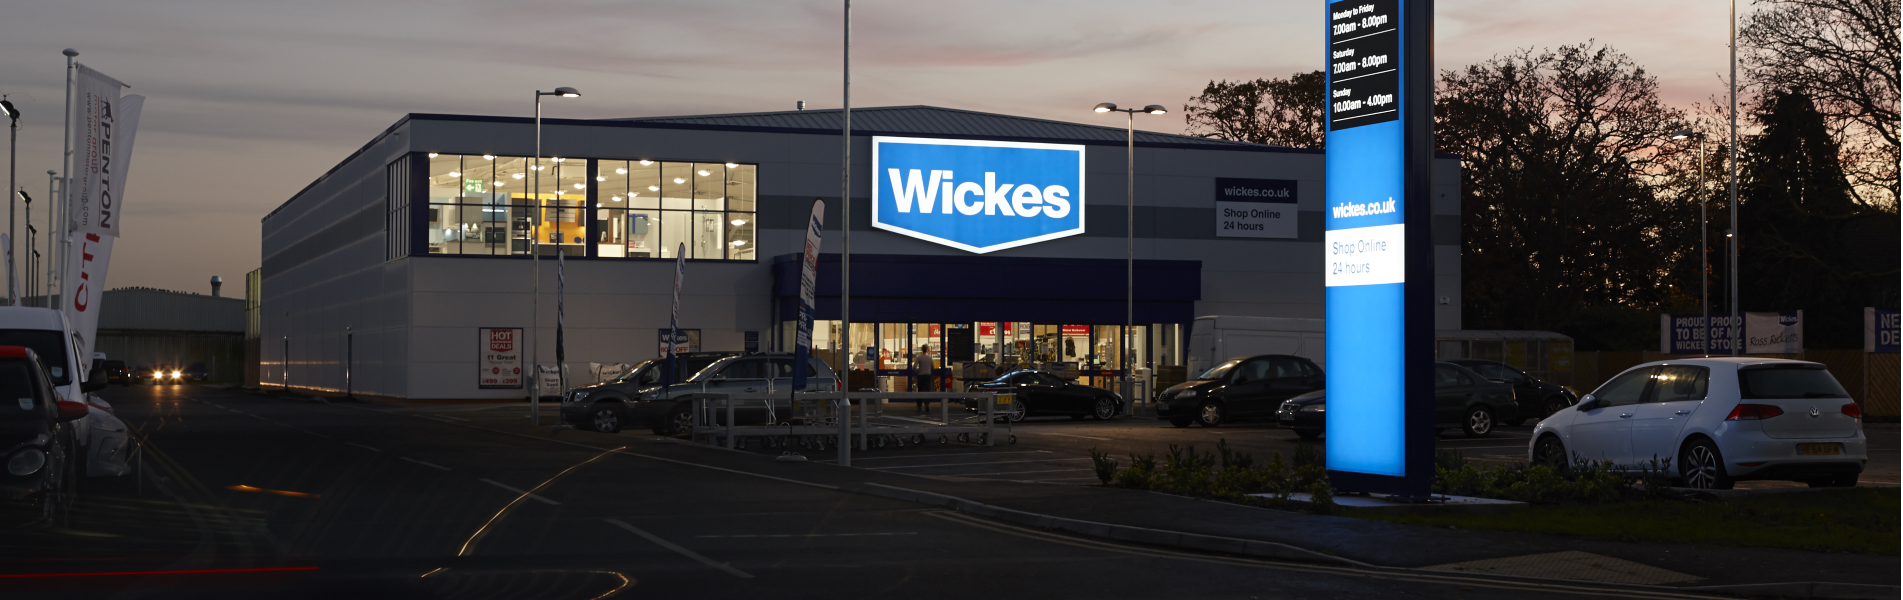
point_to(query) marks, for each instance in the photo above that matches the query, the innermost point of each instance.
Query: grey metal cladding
(364, 223)
(932, 120)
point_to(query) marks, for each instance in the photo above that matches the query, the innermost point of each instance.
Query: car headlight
(26, 462)
(1315, 408)
(1187, 394)
(577, 396)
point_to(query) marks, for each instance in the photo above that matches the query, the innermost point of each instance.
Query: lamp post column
(534, 382)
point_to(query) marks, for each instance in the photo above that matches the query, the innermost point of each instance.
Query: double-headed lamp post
(1130, 239)
(1704, 278)
(535, 258)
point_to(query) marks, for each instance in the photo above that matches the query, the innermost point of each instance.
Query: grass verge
(1860, 520)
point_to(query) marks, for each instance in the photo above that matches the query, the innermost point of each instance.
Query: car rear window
(1787, 383)
(18, 400)
(47, 344)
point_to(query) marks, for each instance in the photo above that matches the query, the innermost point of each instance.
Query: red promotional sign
(499, 363)
(1080, 330)
(502, 340)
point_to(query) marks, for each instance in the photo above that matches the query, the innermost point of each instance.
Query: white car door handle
(1626, 416)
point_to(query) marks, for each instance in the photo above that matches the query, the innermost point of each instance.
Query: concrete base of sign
(1439, 503)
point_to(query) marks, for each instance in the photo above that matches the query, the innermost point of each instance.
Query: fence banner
(1763, 333)
(1880, 329)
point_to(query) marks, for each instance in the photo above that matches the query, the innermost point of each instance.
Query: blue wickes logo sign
(975, 195)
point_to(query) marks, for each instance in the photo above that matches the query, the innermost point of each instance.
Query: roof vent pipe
(802, 105)
(216, 283)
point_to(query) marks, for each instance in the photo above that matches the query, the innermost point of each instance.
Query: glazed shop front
(1063, 315)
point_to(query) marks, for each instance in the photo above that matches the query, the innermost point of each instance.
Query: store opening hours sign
(1377, 252)
(499, 358)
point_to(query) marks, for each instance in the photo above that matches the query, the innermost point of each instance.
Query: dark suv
(640, 397)
(1246, 387)
(1536, 399)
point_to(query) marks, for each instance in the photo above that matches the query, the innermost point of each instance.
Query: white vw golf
(1719, 420)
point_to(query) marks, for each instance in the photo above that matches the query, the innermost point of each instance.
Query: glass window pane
(740, 236)
(440, 232)
(740, 188)
(710, 186)
(643, 238)
(445, 178)
(710, 239)
(613, 182)
(611, 223)
(644, 184)
(677, 186)
(674, 228)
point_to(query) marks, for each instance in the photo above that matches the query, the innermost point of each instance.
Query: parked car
(117, 372)
(1718, 421)
(144, 374)
(36, 440)
(101, 436)
(1462, 399)
(1241, 388)
(196, 372)
(1039, 393)
(1536, 398)
(641, 397)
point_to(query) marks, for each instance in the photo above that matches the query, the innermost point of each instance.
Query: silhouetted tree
(1844, 55)
(1281, 112)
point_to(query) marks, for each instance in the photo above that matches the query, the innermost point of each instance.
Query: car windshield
(46, 343)
(1788, 383)
(695, 367)
(1220, 370)
(632, 372)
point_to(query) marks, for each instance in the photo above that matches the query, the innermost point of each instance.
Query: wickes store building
(409, 270)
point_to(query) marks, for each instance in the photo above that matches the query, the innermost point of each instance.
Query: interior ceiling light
(739, 242)
(738, 222)
(703, 173)
(559, 159)
(432, 155)
(731, 165)
(488, 157)
(538, 167)
(621, 171)
(498, 184)
(654, 188)
(679, 180)
(646, 162)
(455, 174)
(600, 178)
(616, 198)
(517, 175)
(580, 186)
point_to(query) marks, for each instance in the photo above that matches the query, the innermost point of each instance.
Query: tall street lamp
(13, 159)
(1130, 236)
(535, 258)
(1731, 234)
(1704, 303)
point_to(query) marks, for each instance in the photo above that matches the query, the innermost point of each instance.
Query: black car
(604, 409)
(1242, 388)
(1039, 393)
(643, 397)
(36, 441)
(197, 372)
(1536, 398)
(1462, 399)
(117, 372)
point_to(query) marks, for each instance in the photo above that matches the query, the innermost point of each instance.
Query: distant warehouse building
(150, 327)
(406, 271)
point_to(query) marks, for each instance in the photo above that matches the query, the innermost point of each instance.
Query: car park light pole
(535, 258)
(1130, 239)
(13, 160)
(1704, 287)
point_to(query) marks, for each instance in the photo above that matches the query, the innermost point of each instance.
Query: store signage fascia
(976, 195)
(1377, 252)
(1256, 208)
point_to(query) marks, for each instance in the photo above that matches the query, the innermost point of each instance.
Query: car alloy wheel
(1017, 411)
(1209, 414)
(1479, 422)
(1551, 453)
(1106, 408)
(1555, 404)
(680, 421)
(607, 419)
(1703, 468)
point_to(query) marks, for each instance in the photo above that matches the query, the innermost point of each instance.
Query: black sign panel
(1363, 63)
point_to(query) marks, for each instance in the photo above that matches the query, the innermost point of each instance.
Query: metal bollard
(845, 429)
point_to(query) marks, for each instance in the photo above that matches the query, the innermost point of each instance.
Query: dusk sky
(248, 102)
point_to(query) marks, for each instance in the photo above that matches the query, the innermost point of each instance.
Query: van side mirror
(69, 410)
(95, 380)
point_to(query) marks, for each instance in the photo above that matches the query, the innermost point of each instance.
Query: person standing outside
(922, 373)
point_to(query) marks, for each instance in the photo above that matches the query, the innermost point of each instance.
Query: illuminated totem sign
(1377, 250)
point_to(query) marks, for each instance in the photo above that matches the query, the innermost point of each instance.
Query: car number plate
(1814, 449)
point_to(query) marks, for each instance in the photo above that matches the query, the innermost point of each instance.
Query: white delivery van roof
(28, 317)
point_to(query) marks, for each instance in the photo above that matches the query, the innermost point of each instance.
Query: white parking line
(521, 492)
(1002, 462)
(809, 535)
(857, 459)
(363, 446)
(679, 550)
(430, 465)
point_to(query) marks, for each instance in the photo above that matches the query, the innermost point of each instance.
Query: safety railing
(845, 420)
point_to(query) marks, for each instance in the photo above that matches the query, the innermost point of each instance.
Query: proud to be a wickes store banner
(103, 126)
(1764, 333)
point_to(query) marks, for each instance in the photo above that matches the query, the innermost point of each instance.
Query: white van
(1218, 338)
(101, 435)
